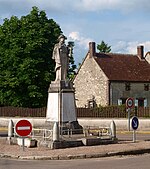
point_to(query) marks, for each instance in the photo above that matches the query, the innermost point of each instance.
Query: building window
(122, 101)
(91, 103)
(127, 86)
(146, 87)
(141, 102)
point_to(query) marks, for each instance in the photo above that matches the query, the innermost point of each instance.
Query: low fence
(113, 112)
(22, 112)
(102, 112)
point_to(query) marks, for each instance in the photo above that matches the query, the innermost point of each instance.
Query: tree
(72, 66)
(103, 47)
(26, 64)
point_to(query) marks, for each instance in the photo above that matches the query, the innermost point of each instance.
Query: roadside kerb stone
(79, 156)
(100, 155)
(44, 158)
(8, 156)
(27, 157)
(130, 152)
(70, 157)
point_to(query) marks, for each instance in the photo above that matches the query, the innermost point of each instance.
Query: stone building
(110, 78)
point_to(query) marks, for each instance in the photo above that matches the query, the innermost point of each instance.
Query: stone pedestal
(61, 106)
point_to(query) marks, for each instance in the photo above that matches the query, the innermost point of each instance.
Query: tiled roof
(123, 67)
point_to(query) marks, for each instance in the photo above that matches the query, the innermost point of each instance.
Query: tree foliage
(26, 64)
(72, 66)
(103, 47)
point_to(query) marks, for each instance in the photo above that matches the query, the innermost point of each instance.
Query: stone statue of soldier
(61, 56)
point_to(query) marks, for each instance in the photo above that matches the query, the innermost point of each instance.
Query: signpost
(23, 128)
(135, 124)
(129, 105)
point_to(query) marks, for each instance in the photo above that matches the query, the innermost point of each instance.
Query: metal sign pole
(23, 147)
(129, 110)
(134, 136)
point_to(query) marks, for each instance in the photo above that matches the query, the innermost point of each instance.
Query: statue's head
(62, 38)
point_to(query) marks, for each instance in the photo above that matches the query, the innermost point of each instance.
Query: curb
(79, 156)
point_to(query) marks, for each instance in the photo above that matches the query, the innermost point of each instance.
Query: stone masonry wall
(148, 57)
(90, 81)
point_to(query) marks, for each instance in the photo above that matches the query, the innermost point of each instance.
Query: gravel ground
(15, 150)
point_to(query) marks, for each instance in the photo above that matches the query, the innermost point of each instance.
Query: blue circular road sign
(135, 123)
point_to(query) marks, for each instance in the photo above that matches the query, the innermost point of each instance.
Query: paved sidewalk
(42, 153)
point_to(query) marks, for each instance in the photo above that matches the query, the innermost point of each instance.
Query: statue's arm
(55, 51)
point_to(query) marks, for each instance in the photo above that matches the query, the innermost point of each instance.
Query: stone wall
(117, 91)
(90, 81)
(147, 57)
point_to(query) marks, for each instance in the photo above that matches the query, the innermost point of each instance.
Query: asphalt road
(125, 162)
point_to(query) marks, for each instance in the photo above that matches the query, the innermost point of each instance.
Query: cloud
(74, 36)
(67, 6)
(146, 45)
(81, 45)
(96, 5)
(130, 47)
(57, 6)
(119, 47)
(124, 6)
(81, 41)
(90, 5)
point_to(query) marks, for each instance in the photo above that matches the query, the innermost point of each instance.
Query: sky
(122, 24)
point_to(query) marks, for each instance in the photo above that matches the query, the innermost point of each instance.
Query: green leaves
(103, 47)
(26, 65)
(72, 66)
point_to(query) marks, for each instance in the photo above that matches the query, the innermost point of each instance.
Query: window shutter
(145, 102)
(119, 102)
(136, 102)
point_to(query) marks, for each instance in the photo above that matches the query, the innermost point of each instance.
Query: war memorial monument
(61, 106)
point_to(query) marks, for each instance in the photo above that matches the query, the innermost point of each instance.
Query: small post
(85, 132)
(10, 130)
(113, 130)
(71, 132)
(55, 132)
(134, 136)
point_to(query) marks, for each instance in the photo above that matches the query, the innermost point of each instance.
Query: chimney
(92, 49)
(140, 52)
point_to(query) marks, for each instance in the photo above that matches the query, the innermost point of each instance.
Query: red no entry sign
(23, 128)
